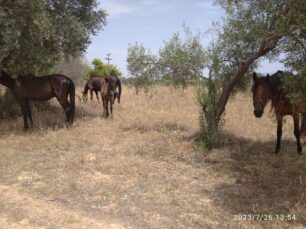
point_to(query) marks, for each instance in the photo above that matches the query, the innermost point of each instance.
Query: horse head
(84, 96)
(261, 94)
(111, 83)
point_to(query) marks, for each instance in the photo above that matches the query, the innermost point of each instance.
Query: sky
(151, 23)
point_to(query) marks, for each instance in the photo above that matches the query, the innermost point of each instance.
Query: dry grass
(144, 169)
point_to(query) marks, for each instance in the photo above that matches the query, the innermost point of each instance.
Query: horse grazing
(272, 88)
(94, 84)
(28, 87)
(108, 88)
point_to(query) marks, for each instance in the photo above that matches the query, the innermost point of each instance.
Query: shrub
(10, 109)
(210, 129)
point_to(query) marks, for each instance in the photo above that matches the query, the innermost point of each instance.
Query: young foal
(272, 88)
(27, 88)
(108, 88)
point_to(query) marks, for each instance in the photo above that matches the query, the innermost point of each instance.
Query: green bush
(9, 108)
(210, 129)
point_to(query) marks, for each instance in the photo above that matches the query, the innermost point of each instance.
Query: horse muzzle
(258, 113)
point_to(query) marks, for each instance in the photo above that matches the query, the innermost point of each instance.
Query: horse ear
(255, 76)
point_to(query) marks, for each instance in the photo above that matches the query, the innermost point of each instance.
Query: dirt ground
(145, 168)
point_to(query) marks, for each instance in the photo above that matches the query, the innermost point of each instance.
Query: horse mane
(276, 86)
(275, 83)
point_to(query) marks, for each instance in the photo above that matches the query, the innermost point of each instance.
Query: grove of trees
(250, 32)
(180, 60)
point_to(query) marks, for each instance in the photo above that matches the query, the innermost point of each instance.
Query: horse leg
(303, 127)
(30, 117)
(66, 106)
(297, 133)
(115, 96)
(279, 133)
(111, 108)
(91, 94)
(103, 106)
(28, 108)
(24, 111)
(97, 95)
(107, 112)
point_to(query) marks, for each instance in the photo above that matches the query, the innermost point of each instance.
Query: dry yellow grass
(144, 168)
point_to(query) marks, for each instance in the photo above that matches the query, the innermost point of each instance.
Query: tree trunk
(267, 44)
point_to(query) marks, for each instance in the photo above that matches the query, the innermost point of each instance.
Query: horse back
(44, 87)
(95, 83)
(280, 101)
(34, 88)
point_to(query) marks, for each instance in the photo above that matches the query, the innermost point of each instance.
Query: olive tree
(250, 32)
(35, 34)
(143, 66)
(182, 59)
(179, 60)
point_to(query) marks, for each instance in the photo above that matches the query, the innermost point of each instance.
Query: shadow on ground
(51, 118)
(258, 181)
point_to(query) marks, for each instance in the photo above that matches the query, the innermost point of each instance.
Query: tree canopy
(255, 29)
(101, 69)
(183, 59)
(35, 34)
(179, 60)
(142, 66)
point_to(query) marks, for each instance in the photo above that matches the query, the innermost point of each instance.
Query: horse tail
(119, 87)
(72, 101)
(303, 126)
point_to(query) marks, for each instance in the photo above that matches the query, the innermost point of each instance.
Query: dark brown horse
(27, 88)
(108, 88)
(94, 84)
(272, 88)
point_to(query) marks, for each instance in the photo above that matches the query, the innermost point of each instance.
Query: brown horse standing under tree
(27, 88)
(94, 84)
(272, 88)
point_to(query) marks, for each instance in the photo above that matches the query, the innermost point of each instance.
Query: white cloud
(155, 7)
(207, 5)
(116, 8)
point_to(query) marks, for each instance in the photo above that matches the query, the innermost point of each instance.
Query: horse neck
(276, 96)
